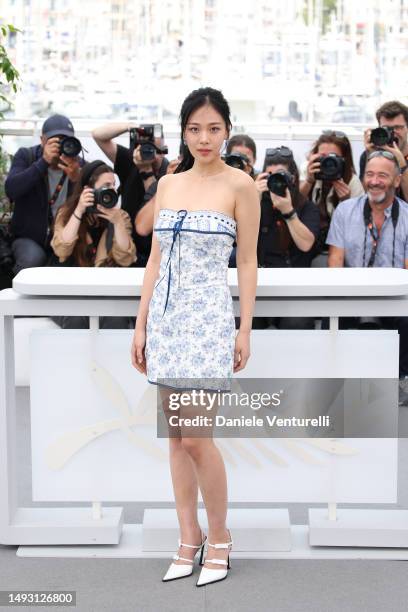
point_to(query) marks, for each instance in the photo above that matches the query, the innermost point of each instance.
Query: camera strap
(57, 190)
(375, 235)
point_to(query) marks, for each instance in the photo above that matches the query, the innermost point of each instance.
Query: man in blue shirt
(372, 230)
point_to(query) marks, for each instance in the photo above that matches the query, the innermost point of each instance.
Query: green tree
(9, 78)
(327, 7)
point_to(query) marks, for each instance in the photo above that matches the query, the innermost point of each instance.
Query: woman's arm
(150, 277)
(247, 214)
(302, 236)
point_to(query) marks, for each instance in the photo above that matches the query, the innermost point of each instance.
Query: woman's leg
(211, 476)
(212, 480)
(185, 488)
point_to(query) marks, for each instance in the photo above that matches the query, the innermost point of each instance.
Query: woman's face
(245, 151)
(205, 133)
(328, 147)
(107, 179)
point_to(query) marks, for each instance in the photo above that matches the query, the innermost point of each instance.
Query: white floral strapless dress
(190, 330)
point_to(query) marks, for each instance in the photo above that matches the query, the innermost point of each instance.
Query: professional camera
(331, 167)
(105, 196)
(236, 160)
(70, 146)
(382, 136)
(144, 136)
(279, 181)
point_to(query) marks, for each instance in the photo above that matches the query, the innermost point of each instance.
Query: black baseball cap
(57, 125)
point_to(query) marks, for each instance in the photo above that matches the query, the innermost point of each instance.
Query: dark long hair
(345, 147)
(195, 100)
(298, 200)
(81, 252)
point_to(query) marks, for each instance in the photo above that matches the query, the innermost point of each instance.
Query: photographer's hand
(51, 150)
(115, 216)
(396, 151)
(313, 167)
(142, 164)
(283, 204)
(368, 145)
(261, 183)
(342, 189)
(70, 165)
(87, 199)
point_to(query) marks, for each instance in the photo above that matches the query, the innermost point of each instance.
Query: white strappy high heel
(208, 575)
(177, 570)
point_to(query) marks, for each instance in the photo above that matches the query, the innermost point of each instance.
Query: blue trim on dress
(162, 229)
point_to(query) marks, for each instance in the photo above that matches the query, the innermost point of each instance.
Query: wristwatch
(289, 215)
(145, 175)
(402, 170)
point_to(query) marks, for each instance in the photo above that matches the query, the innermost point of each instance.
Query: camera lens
(382, 136)
(278, 182)
(147, 151)
(331, 167)
(70, 146)
(106, 197)
(235, 161)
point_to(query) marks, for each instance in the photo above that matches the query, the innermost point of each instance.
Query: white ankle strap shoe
(207, 574)
(182, 570)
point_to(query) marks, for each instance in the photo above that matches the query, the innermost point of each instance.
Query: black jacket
(27, 187)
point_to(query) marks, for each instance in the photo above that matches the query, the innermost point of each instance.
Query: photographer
(40, 180)
(289, 222)
(330, 178)
(390, 135)
(90, 230)
(138, 178)
(372, 231)
(244, 149)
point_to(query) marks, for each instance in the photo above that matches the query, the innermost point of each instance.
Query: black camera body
(144, 136)
(382, 136)
(279, 181)
(70, 146)
(331, 167)
(236, 160)
(105, 196)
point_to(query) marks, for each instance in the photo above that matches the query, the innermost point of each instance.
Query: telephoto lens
(331, 167)
(70, 146)
(147, 151)
(105, 196)
(382, 136)
(236, 160)
(278, 182)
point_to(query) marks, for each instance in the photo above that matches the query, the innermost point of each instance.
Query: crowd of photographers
(66, 210)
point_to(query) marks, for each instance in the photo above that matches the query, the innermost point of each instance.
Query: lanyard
(57, 190)
(375, 234)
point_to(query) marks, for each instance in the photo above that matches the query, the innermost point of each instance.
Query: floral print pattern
(190, 341)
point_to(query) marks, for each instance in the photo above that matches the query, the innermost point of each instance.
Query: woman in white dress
(185, 335)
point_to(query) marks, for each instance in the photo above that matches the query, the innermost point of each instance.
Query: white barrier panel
(93, 420)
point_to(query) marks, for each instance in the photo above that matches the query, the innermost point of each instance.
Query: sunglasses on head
(382, 153)
(336, 133)
(279, 151)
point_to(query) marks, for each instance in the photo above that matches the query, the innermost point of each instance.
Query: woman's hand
(137, 351)
(114, 215)
(241, 351)
(261, 182)
(342, 189)
(313, 167)
(283, 204)
(87, 199)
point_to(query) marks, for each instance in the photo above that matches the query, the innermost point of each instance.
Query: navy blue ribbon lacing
(176, 232)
